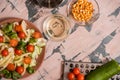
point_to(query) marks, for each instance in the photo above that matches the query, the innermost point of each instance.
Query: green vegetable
(15, 75)
(10, 74)
(8, 31)
(6, 73)
(30, 70)
(104, 72)
(32, 40)
(7, 28)
(21, 45)
(12, 35)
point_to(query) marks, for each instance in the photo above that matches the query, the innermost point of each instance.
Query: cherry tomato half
(80, 76)
(11, 67)
(36, 35)
(20, 69)
(13, 42)
(4, 52)
(18, 52)
(30, 48)
(76, 71)
(70, 76)
(18, 28)
(21, 35)
(1, 39)
(27, 60)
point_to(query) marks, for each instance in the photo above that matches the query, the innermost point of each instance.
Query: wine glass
(49, 3)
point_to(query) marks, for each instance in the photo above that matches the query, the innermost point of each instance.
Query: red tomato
(13, 42)
(36, 35)
(20, 69)
(1, 39)
(18, 52)
(27, 60)
(11, 67)
(30, 48)
(70, 76)
(80, 76)
(21, 35)
(76, 71)
(18, 28)
(4, 52)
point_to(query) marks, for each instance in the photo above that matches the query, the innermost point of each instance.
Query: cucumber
(104, 72)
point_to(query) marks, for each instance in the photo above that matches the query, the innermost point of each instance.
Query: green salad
(19, 49)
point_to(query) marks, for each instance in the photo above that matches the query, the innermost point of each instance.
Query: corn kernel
(82, 10)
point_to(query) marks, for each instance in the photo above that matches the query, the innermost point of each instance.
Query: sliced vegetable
(104, 72)
(11, 67)
(30, 70)
(24, 26)
(20, 69)
(4, 60)
(41, 42)
(29, 35)
(33, 63)
(4, 52)
(30, 48)
(36, 52)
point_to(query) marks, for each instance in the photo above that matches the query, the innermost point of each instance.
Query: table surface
(98, 42)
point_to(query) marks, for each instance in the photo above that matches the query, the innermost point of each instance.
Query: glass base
(49, 3)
